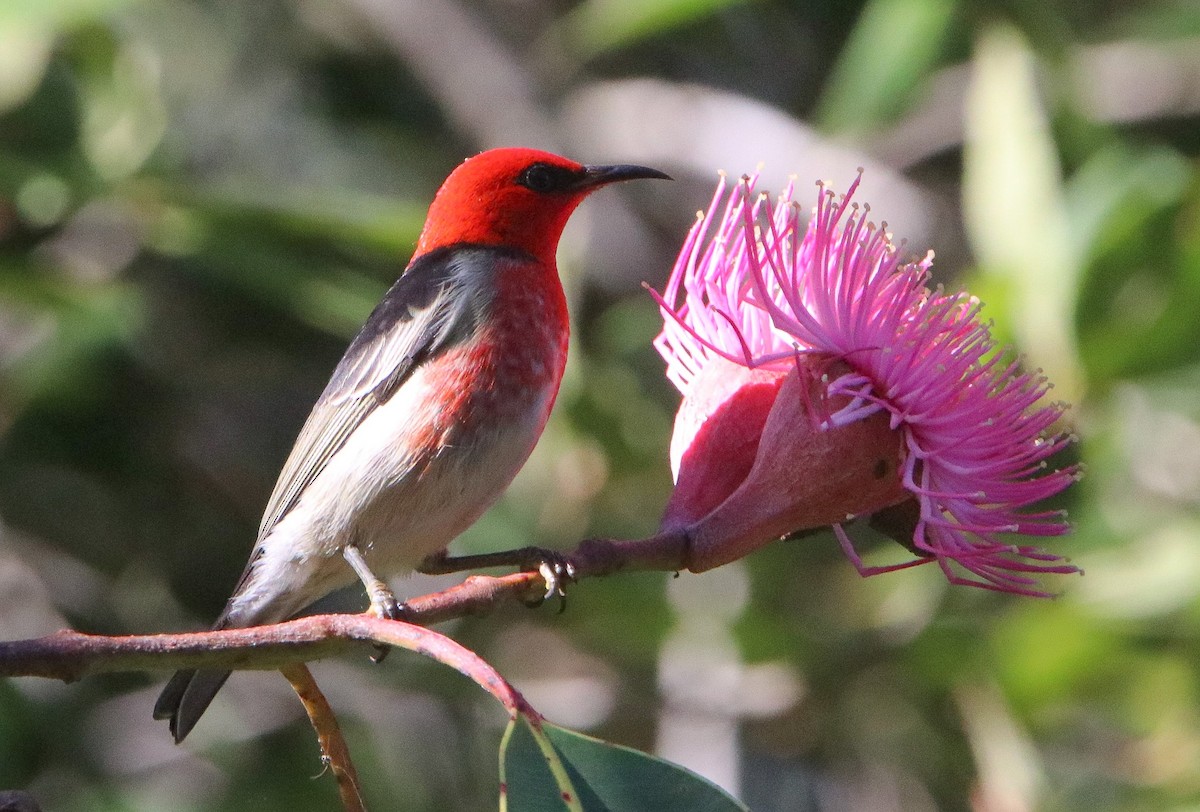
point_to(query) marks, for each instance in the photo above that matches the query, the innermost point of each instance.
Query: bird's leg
(383, 602)
(555, 568)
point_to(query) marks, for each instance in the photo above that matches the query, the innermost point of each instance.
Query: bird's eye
(540, 178)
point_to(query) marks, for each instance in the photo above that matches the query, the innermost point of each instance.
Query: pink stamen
(766, 287)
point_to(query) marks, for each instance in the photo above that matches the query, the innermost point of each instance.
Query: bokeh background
(201, 200)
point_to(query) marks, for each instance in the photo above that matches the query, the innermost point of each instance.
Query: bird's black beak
(594, 176)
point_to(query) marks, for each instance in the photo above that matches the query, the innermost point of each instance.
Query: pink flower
(824, 380)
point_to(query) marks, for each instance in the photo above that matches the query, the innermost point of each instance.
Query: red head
(515, 197)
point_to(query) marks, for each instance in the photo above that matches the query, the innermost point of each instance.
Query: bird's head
(515, 197)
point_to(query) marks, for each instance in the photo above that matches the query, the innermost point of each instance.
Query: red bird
(436, 404)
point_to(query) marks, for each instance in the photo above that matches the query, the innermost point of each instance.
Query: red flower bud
(717, 431)
(806, 473)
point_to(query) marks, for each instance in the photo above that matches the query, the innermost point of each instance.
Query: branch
(593, 558)
(69, 655)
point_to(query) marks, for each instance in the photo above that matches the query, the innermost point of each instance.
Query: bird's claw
(387, 607)
(384, 605)
(557, 571)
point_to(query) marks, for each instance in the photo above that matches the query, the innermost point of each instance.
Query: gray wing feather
(424, 314)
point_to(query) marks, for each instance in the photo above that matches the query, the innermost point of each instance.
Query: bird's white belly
(397, 506)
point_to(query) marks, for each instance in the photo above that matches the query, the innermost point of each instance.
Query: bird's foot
(555, 568)
(557, 571)
(384, 605)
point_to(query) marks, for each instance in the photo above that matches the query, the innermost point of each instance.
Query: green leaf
(24, 55)
(282, 253)
(67, 326)
(605, 777)
(1168, 20)
(892, 48)
(599, 25)
(55, 13)
(1013, 204)
(1136, 305)
(1118, 183)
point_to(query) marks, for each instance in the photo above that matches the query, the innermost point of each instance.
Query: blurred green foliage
(201, 200)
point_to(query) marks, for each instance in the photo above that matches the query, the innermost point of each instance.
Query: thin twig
(334, 751)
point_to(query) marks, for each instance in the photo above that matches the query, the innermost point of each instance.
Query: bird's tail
(189, 692)
(186, 697)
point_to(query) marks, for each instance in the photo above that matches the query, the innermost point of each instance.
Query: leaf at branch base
(606, 777)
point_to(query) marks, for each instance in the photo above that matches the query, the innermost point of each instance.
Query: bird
(434, 407)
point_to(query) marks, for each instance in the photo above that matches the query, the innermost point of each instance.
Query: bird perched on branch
(436, 404)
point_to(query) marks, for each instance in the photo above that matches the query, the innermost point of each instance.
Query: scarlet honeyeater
(436, 404)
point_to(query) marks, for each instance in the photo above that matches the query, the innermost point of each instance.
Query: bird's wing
(429, 309)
